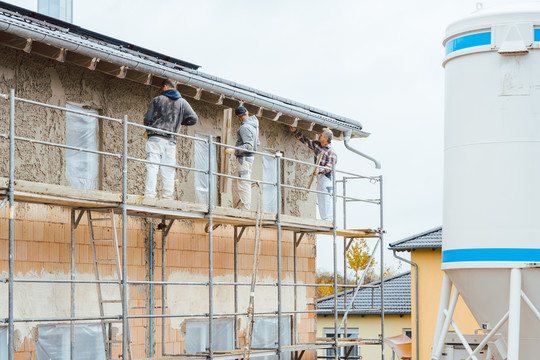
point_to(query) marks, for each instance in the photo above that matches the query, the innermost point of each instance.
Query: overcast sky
(378, 62)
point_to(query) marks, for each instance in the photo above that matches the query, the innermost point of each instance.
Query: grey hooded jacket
(247, 137)
(166, 113)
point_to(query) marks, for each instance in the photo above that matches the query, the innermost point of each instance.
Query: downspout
(415, 298)
(347, 138)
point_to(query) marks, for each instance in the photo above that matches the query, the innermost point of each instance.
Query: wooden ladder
(102, 258)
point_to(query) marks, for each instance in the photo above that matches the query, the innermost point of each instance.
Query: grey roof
(397, 298)
(35, 33)
(431, 239)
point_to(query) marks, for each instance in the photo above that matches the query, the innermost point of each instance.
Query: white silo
(491, 241)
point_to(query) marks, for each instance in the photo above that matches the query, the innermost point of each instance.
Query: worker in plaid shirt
(324, 175)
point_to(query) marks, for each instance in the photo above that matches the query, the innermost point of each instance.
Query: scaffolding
(125, 205)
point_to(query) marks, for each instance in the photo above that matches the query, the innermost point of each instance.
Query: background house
(364, 319)
(425, 251)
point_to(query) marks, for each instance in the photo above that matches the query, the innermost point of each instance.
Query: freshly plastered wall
(56, 83)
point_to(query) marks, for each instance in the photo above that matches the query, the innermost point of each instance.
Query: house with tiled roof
(425, 250)
(364, 318)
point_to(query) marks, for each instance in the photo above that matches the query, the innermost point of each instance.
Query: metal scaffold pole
(382, 263)
(278, 224)
(211, 161)
(334, 236)
(125, 321)
(11, 349)
(72, 307)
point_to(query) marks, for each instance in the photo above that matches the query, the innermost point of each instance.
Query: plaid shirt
(329, 156)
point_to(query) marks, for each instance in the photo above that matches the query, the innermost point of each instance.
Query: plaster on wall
(194, 298)
(54, 301)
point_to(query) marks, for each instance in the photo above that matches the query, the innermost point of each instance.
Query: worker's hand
(229, 151)
(293, 129)
(145, 135)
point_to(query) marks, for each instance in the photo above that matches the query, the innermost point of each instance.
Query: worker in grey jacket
(247, 140)
(168, 112)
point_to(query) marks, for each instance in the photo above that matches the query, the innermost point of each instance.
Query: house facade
(364, 317)
(425, 251)
(78, 177)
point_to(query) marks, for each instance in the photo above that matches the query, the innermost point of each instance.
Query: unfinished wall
(42, 233)
(56, 83)
(43, 251)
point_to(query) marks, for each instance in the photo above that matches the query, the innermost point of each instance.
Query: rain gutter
(61, 38)
(347, 138)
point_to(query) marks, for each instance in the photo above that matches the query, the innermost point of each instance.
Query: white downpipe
(443, 305)
(436, 355)
(514, 316)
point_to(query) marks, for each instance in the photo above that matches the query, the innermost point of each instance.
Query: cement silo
(491, 241)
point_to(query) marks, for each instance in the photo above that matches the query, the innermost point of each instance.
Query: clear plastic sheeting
(265, 335)
(197, 335)
(81, 132)
(269, 191)
(201, 163)
(3, 343)
(54, 342)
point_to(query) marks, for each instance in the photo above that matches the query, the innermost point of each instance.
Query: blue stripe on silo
(496, 254)
(536, 34)
(468, 41)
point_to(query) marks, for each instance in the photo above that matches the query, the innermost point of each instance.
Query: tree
(357, 260)
(358, 257)
(327, 278)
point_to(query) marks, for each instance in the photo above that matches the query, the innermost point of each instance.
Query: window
(54, 342)
(351, 333)
(81, 131)
(3, 343)
(201, 163)
(197, 335)
(407, 332)
(265, 335)
(269, 191)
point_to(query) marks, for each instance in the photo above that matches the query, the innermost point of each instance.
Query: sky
(378, 62)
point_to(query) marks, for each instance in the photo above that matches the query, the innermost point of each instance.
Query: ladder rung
(101, 219)
(103, 240)
(114, 341)
(106, 261)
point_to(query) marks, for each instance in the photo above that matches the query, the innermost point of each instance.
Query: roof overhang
(37, 34)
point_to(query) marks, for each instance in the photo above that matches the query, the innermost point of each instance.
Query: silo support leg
(437, 350)
(514, 314)
(443, 305)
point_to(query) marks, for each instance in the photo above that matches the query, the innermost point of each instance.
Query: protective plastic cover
(81, 132)
(54, 342)
(265, 335)
(269, 191)
(196, 338)
(3, 343)
(201, 179)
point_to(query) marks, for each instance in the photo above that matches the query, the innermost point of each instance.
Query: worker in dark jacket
(247, 140)
(168, 112)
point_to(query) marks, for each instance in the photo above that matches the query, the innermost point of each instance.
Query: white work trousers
(244, 187)
(325, 201)
(161, 151)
